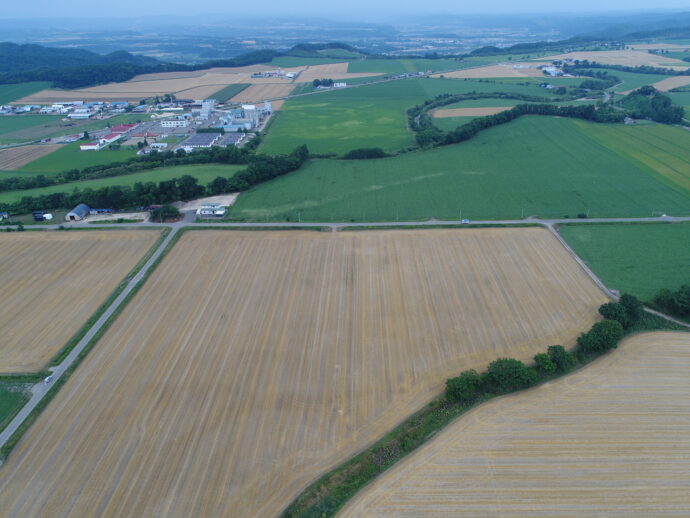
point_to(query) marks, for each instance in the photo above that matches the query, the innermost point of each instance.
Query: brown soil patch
(252, 362)
(15, 157)
(52, 282)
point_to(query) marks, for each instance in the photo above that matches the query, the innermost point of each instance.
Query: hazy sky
(352, 8)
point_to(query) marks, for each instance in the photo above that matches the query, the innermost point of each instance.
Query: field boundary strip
(43, 393)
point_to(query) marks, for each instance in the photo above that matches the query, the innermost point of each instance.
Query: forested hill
(73, 68)
(23, 58)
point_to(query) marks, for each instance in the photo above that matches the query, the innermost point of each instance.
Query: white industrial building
(174, 123)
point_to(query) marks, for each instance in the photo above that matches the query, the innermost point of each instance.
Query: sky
(350, 8)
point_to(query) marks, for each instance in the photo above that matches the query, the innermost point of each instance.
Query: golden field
(491, 71)
(612, 439)
(256, 93)
(195, 85)
(52, 282)
(630, 58)
(251, 362)
(16, 157)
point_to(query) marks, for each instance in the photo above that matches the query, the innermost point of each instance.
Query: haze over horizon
(355, 9)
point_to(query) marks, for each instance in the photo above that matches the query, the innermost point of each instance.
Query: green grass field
(400, 66)
(10, 93)
(632, 80)
(71, 157)
(369, 116)
(662, 150)
(13, 396)
(202, 172)
(296, 61)
(10, 123)
(228, 92)
(681, 99)
(639, 259)
(27, 128)
(543, 166)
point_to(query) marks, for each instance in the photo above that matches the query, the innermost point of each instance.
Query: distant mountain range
(23, 58)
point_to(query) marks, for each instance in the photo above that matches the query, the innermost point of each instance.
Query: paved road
(40, 389)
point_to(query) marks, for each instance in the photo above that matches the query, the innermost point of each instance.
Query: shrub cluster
(508, 375)
(675, 302)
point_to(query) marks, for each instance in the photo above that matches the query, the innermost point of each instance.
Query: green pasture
(71, 157)
(227, 93)
(534, 166)
(400, 66)
(632, 80)
(202, 172)
(11, 124)
(634, 258)
(661, 150)
(13, 395)
(681, 99)
(296, 61)
(51, 126)
(368, 116)
(10, 93)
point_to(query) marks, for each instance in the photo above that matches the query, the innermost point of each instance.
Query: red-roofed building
(123, 128)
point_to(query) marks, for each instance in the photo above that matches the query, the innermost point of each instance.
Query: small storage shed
(78, 213)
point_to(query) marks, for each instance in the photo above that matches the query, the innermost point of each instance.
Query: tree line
(581, 66)
(428, 135)
(260, 168)
(213, 155)
(506, 375)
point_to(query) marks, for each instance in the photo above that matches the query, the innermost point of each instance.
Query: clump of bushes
(675, 302)
(508, 375)
(365, 153)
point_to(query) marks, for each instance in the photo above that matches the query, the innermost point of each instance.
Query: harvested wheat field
(16, 157)
(630, 58)
(331, 70)
(491, 71)
(52, 282)
(612, 439)
(251, 362)
(468, 112)
(140, 87)
(256, 93)
(672, 82)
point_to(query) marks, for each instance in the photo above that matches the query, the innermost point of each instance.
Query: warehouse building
(78, 213)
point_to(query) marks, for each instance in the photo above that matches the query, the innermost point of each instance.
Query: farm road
(41, 389)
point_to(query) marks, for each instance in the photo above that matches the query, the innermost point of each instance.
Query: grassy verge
(325, 497)
(440, 225)
(62, 354)
(31, 418)
(13, 396)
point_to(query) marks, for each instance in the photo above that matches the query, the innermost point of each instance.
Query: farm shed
(78, 213)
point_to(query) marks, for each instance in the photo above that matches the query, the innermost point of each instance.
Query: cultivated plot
(495, 71)
(252, 362)
(640, 259)
(52, 282)
(610, 440)
(16, 157)
(534, 166)
(257, 93)
(630, 58)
